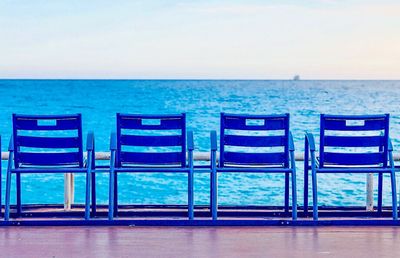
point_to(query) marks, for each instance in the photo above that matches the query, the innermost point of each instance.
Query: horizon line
(189, 79)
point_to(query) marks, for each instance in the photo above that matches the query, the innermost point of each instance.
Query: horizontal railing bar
(198, 156)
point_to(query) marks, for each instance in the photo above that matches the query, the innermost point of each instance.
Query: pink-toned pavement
(200, 242)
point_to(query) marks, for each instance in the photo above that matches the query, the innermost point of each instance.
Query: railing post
(370, 192)
(68, 191)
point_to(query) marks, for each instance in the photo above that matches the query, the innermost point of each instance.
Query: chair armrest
(113, 141)
(90, 141)
(190, 142)
(213, 147)
(190, 148)
(309, 137)
(291, 143)
(213, 138)
(91, 158)
(390, 145)
(11, 145)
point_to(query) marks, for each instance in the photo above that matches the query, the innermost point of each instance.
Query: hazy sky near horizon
(242, 39)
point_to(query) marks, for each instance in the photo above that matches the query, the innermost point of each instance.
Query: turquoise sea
(202, 100)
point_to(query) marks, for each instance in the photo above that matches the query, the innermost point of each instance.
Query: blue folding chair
(350, 144)
(232, 135)
(47, 144)
(129, 151)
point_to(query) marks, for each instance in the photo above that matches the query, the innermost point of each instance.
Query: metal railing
(198, 156)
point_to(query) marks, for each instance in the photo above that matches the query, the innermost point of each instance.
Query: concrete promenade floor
(200, 242)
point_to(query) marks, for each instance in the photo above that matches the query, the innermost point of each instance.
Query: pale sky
(270, 39)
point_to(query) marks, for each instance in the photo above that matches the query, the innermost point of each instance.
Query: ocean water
(100, 100)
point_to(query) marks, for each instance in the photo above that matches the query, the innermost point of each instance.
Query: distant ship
(296, 78)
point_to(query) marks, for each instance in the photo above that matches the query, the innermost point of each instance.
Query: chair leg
(305, 190)
(211, 192)
(286, 192)
(306, 166)
(18, 190)
(190, 195)
(8, 193)
(87, 199)
(315, 192)
(93, 194)
(394, 194)
(380, 187)
(214, 193)
(115, 194)
(294, 196)
(111, 197)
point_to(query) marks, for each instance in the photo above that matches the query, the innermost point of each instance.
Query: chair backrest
(261, 140)
(163, 135)
(354, 140)
(47, 140)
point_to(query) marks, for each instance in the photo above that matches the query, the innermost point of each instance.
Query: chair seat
(49, 170)
(254, 169)
(353, 170)
(153, 169)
